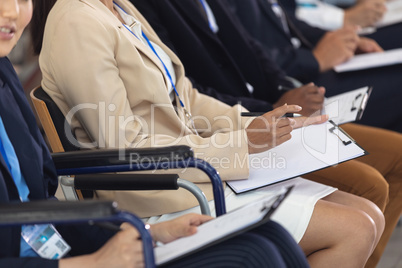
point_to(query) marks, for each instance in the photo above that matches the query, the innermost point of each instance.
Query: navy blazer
(35, 161)
(382, 110)
(39, 172)
(262, 23)
(209, 58)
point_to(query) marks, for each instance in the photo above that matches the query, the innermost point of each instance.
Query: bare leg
(341, 233)
(363, 204)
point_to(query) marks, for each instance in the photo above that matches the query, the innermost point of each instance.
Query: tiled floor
(392, 257)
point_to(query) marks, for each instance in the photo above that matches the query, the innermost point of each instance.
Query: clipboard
(393, 14)
(347, 107)
(311, 148)
(371, 60)
(226, 226)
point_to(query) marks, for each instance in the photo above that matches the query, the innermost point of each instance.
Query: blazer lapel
(8, 190)
(3, 164)
(96, 4)
(266, 7)
(17, 129)
(190, 10)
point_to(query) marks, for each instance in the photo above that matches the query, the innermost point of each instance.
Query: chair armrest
(142, 159)
(53, 210)
(96, 158)
(136, 182)
(140, 182)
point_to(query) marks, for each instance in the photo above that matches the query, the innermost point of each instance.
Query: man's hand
(367, 45)
(309, 97)
(186, 225)
(365, 13)
(336, 47)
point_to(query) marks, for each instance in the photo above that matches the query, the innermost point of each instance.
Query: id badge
(45, 240)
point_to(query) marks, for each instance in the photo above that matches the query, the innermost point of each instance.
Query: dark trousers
(388, 37)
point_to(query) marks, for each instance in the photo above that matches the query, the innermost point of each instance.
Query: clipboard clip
(332, 130)
(354, 102)
(278, 200)
(364, 103)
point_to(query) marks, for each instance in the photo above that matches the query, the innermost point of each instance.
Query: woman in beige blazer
(99, 69)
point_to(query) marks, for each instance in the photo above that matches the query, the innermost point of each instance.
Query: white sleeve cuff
(321, 15)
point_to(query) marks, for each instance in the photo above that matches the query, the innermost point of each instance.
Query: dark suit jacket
(38, 170)
(387, 37)
(262, 23)
(207, 57)
(259, 19)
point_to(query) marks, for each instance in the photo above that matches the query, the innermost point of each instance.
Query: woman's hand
(272, 129)
(311, 120)
(123, 250)
(186, 225)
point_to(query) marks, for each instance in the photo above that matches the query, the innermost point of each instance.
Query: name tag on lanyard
(45, 241)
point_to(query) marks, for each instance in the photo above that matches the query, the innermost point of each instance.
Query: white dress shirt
(320, 14)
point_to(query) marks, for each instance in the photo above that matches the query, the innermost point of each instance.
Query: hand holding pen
(270, 129)
(274, 128)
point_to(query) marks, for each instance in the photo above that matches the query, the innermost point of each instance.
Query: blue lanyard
(11, 160)
(187, 113)
(166, 69)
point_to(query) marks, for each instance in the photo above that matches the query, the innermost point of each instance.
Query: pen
(259, 114)
(280, 87)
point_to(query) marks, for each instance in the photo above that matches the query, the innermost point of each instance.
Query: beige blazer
(116, 89)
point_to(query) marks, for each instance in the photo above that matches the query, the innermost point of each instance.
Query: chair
(68, 212)
(104, 161)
